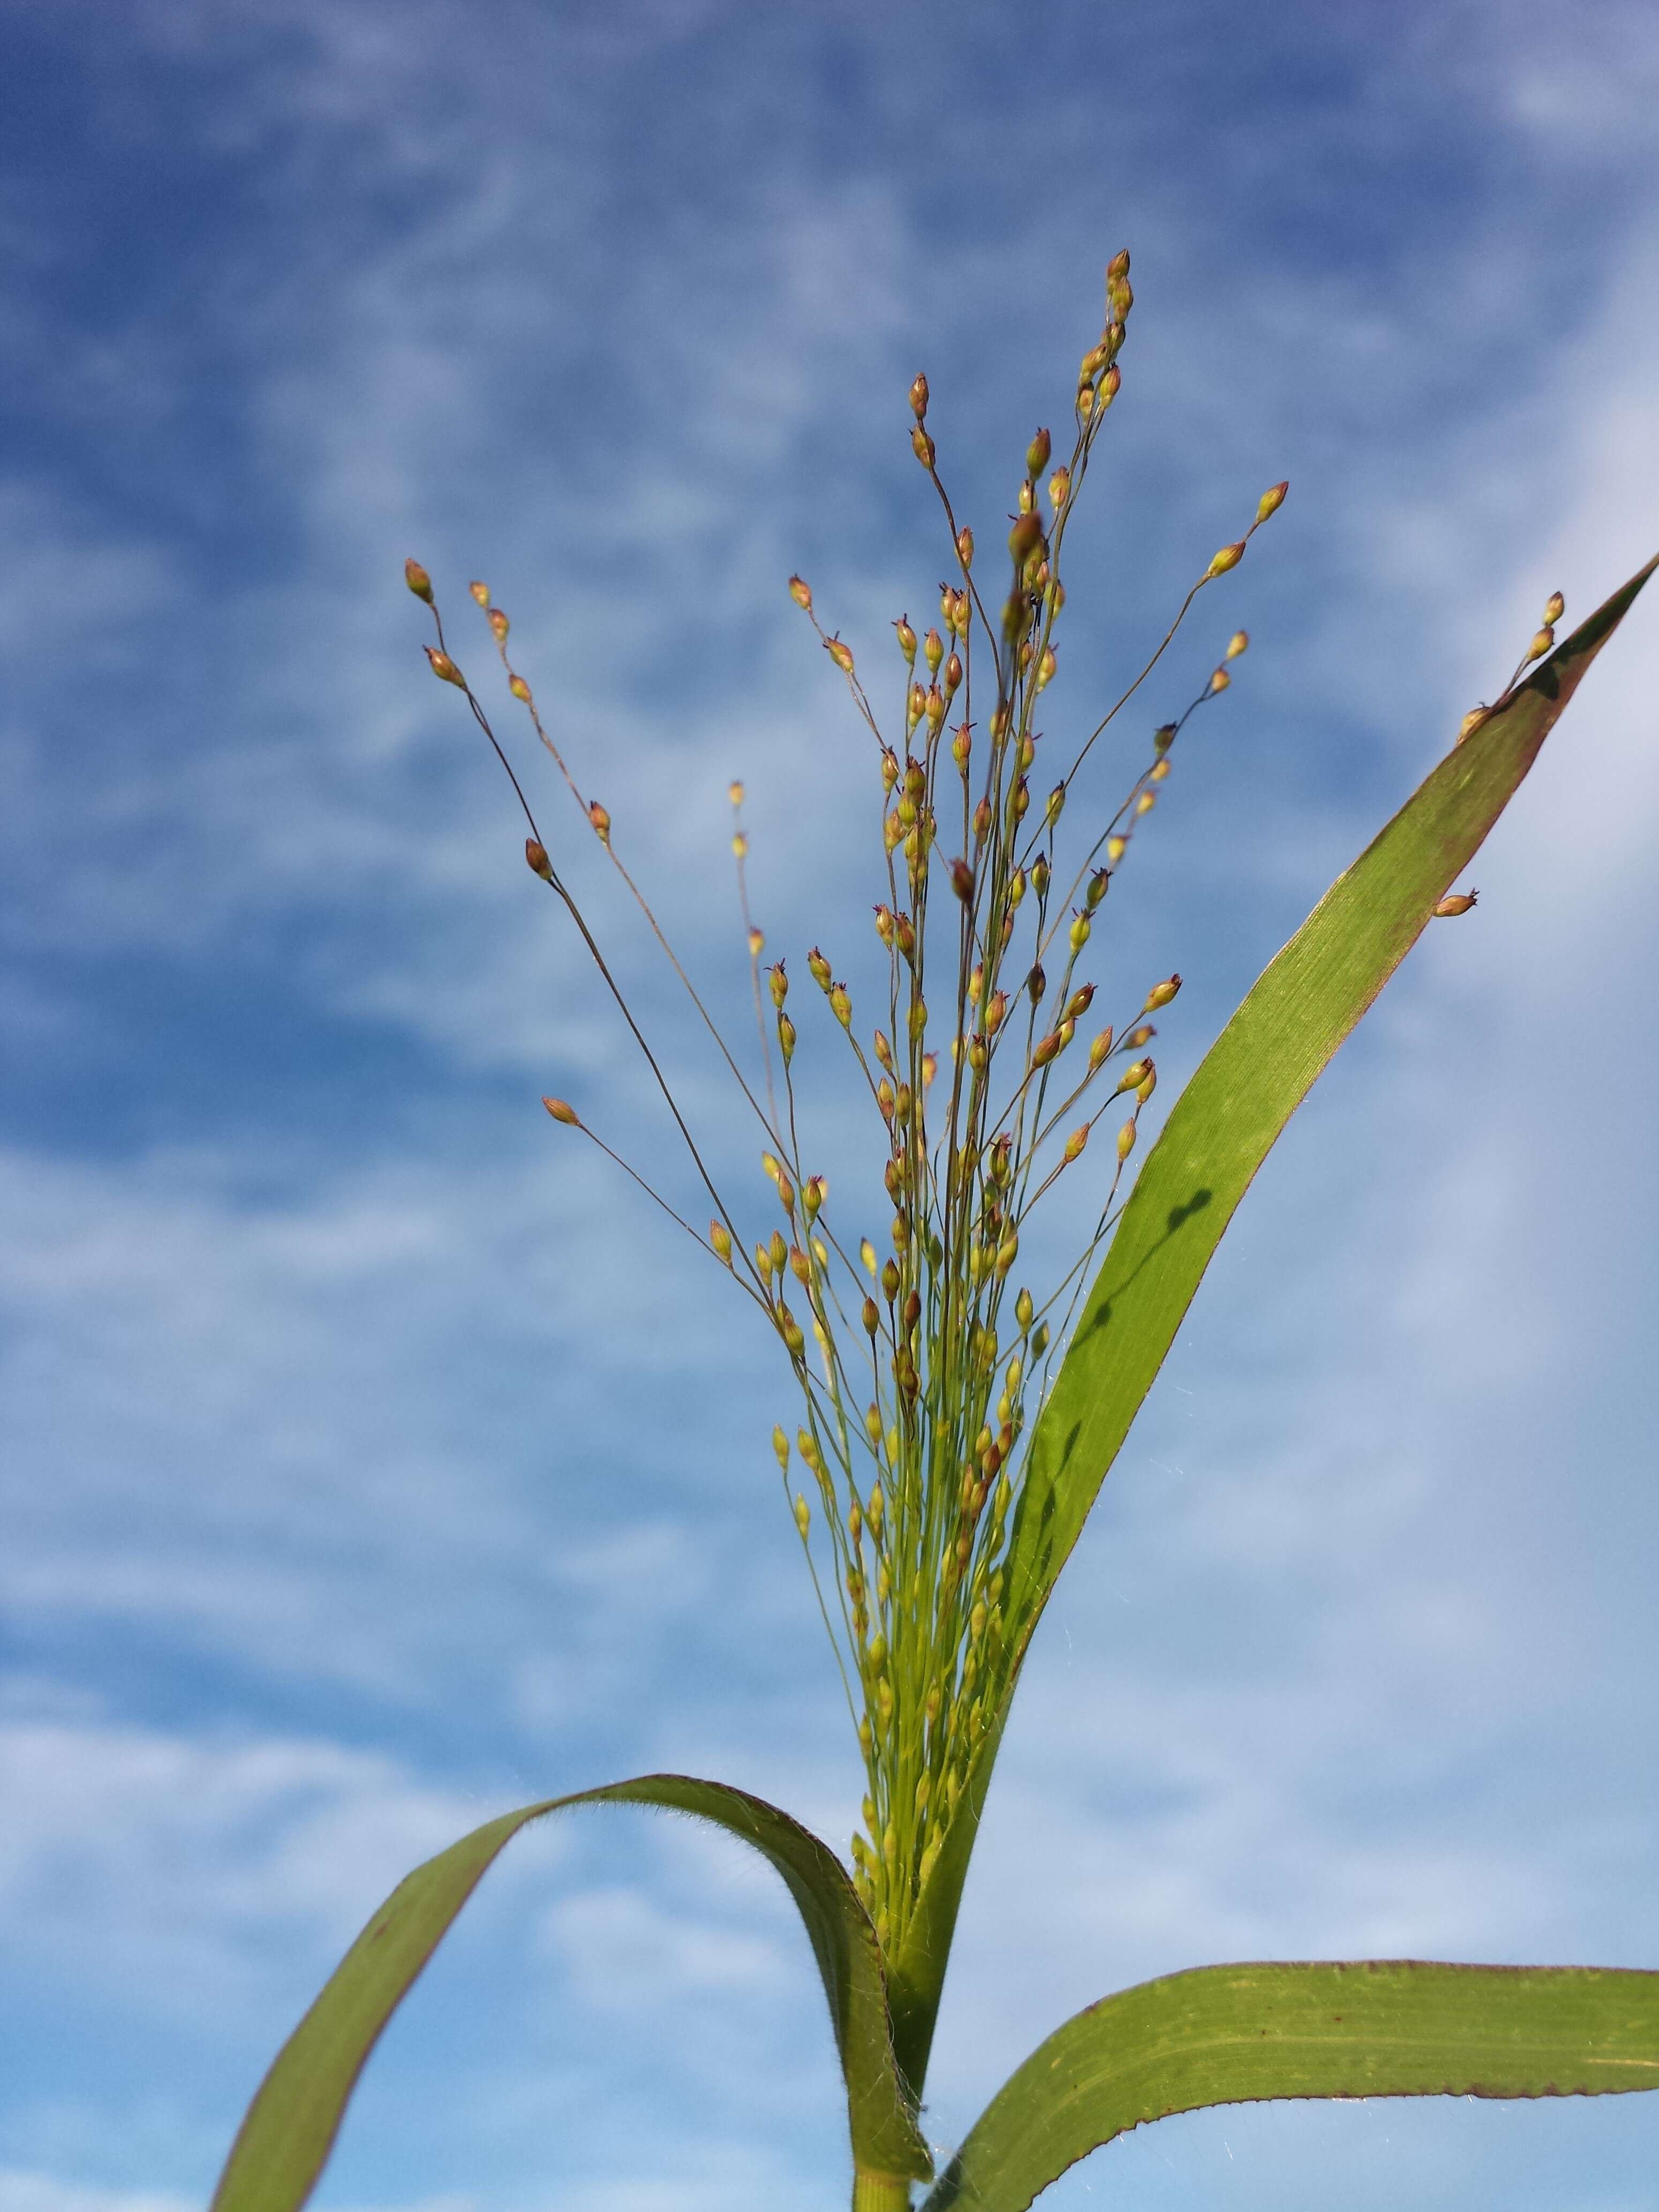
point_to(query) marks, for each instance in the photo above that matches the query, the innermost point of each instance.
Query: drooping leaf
(1221, 2035)
(1219, 1133)
(285, 2139)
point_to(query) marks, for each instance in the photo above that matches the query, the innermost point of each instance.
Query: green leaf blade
(285, 2139)
(1305, 1003)
(1221, 1129)
(1223, 2035)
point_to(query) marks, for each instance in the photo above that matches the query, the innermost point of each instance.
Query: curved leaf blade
(1223, 2035)
(285, 2141)
(1221, 1129)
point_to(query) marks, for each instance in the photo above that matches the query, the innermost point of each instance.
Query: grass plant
(956, 1414)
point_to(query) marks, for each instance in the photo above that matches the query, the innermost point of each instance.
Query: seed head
(840, 653)
(1459, 903)
(1115, 848)
(803, 1516)
(1161, 994)
(1554, 607)
(1471, 722)
(1542, 642)
(445, 669)
(962, 881)
(601, 821)
(1079, 931)
(535, 853)
(720, 1237)
(561, 1112)
(417, 580)
(929, 1069)
(1037, 452)
(1272, 500)
(919, 398)
(1126, 1140)
(965, 546)
(519, 687)
(1099, 1050)
(907, 638)
(819, 969)
(1163, 737)
(840, 1006)
(1025, 537)
(922, 446)
(1237, 643)
(1075, 1142)
(870, 1317)
(1227, 557)
(1134, 1074)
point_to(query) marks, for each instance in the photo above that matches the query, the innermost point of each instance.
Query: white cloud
(47, 2192)
(176, 1869)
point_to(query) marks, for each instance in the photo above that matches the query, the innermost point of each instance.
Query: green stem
(880, 2192)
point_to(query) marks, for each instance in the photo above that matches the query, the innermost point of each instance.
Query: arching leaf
(285, 2139)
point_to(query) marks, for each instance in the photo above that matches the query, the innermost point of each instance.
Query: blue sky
(373, 1463)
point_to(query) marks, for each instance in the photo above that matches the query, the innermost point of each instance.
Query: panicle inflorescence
(920, 1352)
